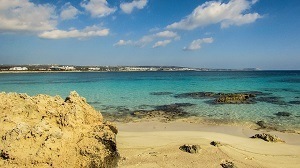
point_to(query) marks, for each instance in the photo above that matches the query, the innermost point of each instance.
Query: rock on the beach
(216, 143)
(190, 148)
(45, 131)
(228, 164)
(267, 137)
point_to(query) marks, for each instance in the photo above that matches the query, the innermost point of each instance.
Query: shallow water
(129, 91)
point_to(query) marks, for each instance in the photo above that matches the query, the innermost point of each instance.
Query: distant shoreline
(23, 72)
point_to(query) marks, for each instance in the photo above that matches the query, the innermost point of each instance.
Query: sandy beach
(156, 144)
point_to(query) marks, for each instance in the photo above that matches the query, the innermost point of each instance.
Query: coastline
(56, 126)
(156, 144)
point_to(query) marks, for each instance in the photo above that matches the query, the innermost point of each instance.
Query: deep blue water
(129, 91)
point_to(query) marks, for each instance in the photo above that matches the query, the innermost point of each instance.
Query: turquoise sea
(130, 91)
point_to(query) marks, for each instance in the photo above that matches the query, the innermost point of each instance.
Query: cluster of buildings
(157, 69)
(18, 69)
(62, 68)
(108, 68)
(37, 68)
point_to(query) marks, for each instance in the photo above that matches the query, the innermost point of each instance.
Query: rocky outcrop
(45, 131)
(267, 137)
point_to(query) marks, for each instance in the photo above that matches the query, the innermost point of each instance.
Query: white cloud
(213, 12)
(196, 44)
(128, 7)
(145, 40)
(97, 8)
(163, 34)
(161, 43)
(90, 31)
(155, 29)
(16, 15)
(167, 34)
(69, 12)
(122, 43)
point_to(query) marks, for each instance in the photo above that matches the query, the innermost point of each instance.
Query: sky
(261, 34)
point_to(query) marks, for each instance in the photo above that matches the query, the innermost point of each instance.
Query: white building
(68, 68)
(18, 69)
(94, 69)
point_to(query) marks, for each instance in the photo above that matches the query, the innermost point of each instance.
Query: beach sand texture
(158, 146)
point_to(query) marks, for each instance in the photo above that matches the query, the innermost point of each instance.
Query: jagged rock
(216, 143)
(267, 137)
(45, 131)
(235, 98)
(228, 164)
(283, 114)
(190, 148)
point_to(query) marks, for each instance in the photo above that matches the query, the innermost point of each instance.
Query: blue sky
(195, 33)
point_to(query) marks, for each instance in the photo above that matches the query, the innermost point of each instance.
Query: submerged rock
(294, 102)
(160, 93)
(168, 112)
(45, 131)
(235, 98)
(262, 124)
(267, 137)
(272, 100)
(283, 114)
(176, 107)
(190, 148)
(196, 95)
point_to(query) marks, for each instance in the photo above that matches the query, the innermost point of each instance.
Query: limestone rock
(228, 164)
(190, 148)
(216, 143)
(267, 137)
(45, 131)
